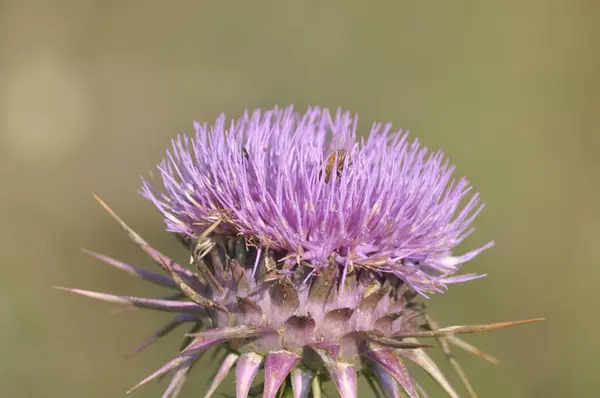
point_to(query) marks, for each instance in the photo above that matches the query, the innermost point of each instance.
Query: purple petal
(277, 366)
(223, 371)
(461, 278)
(245, 372)
(155, 304)
(448, 262)
(395, 367)
(301, 382)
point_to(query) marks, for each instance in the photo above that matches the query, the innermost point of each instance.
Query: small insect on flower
(336, 161)
(308, 279)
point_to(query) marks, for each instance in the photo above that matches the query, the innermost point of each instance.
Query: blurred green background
(93, 90)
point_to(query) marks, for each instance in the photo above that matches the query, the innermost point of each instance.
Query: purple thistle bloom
(313, 252)
(390, 205)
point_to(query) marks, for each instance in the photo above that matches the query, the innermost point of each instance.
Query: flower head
(312, 252)
(304, 185)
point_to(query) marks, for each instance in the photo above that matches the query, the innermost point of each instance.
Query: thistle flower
(312, 254)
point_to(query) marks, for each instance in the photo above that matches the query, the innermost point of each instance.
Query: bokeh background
(93, 90)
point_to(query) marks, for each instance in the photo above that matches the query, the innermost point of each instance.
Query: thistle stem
(286, 391)
(316, 387)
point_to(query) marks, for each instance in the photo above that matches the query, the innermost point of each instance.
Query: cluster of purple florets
(303, 184)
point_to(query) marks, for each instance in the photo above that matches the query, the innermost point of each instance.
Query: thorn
(467, 329)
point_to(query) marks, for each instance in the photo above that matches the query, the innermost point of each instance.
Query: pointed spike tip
(468, 329)
(472, 349)
(149, 276)
(223, 371)
(423, 360)
(103, 204)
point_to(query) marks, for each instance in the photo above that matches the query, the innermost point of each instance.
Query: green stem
(286, 391)
(316, 387)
